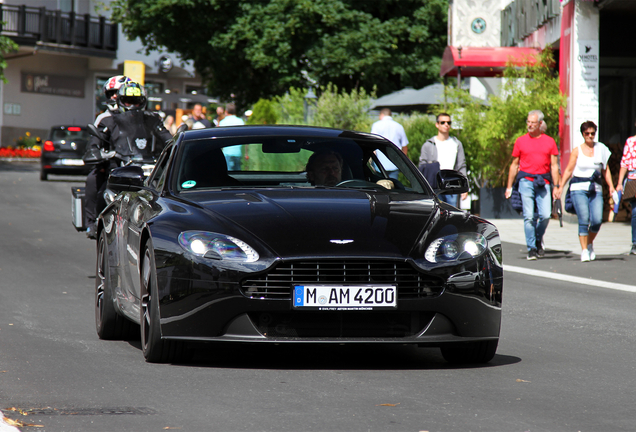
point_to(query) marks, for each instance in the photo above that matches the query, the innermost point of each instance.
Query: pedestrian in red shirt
(628, 171)
(534, 167)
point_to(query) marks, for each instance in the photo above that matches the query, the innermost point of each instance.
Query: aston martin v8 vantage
(289, 234)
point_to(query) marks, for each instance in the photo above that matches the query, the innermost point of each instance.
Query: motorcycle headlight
(217, 246)
(455, 247)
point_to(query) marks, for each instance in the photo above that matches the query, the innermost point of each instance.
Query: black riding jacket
(132, 135)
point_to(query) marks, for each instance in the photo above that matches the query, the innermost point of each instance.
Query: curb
(6, 159)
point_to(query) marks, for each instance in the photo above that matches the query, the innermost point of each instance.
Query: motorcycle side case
(77, 208)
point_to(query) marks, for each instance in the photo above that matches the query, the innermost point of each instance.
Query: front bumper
(63, 164)
(214, 307)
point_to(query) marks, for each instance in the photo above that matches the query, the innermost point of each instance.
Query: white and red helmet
(113, 84)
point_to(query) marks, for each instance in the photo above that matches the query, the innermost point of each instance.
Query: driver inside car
(324, 168)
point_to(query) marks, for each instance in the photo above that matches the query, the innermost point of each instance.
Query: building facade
(67, 50)
(595, 57)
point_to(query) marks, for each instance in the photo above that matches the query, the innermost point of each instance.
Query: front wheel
(108, 323)
(154, 347)
(470, 352)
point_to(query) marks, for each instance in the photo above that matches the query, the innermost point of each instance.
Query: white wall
(42, 110)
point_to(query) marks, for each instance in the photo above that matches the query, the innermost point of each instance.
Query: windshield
(288, 161)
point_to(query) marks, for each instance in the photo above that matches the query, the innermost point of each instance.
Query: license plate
(73, 162)
(338, 297)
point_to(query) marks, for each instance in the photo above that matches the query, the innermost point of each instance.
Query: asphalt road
(565, 359)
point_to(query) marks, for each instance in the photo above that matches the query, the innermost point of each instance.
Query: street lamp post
(309, 101)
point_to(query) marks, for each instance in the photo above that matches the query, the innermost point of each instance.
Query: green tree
(260, 48)
(333, 108)
(488, 130)
(263, 112)
(6, 46)
(343, 110)
(291, 109)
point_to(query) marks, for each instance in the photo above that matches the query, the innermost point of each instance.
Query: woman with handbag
(587, 165)
(628, 167)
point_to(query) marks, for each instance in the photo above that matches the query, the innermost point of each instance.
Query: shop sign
(55, 85)
(585, 88)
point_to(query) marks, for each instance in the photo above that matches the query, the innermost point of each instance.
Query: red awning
(483, 62)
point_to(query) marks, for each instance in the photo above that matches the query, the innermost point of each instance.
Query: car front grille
(278, 282)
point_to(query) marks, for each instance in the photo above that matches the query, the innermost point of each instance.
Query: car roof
(276, 130)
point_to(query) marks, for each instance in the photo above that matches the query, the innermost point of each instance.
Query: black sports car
(63, 150)
(312, 236)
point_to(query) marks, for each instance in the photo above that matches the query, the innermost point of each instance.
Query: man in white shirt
(233, 154)
(446, 150)
(230, 118)
(394, 132)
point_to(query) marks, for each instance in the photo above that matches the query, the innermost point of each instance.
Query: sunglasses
(445, 122)
(589, 133)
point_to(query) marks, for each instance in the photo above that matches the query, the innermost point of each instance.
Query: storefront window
(194, 90)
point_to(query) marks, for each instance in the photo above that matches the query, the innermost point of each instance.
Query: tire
(44, 176)
(470, 352)
(108, 323)
(154, 347)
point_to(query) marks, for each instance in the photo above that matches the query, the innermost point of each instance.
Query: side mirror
(451, 182)
(182, 128)
(126, 178)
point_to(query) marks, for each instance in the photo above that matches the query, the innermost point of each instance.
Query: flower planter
(6, 152)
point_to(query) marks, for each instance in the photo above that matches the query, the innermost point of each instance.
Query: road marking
(574, 279)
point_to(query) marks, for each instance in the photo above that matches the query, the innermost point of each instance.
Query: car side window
(158, 177)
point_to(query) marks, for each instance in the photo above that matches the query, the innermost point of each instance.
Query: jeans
(633, 204)
(534, 225)
(589, 210)
(448, 198)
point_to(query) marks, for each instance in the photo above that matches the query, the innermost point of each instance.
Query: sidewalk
(613, 239)
(613, 264)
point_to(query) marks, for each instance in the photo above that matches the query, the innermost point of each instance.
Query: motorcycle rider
(130, 134)
(98, 175)
(111, 86)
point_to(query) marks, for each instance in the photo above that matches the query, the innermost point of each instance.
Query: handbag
(629, 190)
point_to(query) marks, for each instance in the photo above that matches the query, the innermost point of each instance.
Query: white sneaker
(585, 255)
(590, 250)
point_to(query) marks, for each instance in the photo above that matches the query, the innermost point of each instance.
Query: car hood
(324, 222)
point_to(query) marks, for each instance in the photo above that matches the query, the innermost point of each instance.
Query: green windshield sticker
(188, 184)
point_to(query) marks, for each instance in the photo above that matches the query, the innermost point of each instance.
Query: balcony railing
(28, 26)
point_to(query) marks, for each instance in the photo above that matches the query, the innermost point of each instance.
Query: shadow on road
(325, 357)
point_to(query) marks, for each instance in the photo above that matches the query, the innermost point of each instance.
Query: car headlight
(217, 246)
(455, 247)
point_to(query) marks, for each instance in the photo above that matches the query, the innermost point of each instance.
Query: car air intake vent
(277, 283)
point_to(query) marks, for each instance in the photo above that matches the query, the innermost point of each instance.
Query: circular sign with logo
(478, 25)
